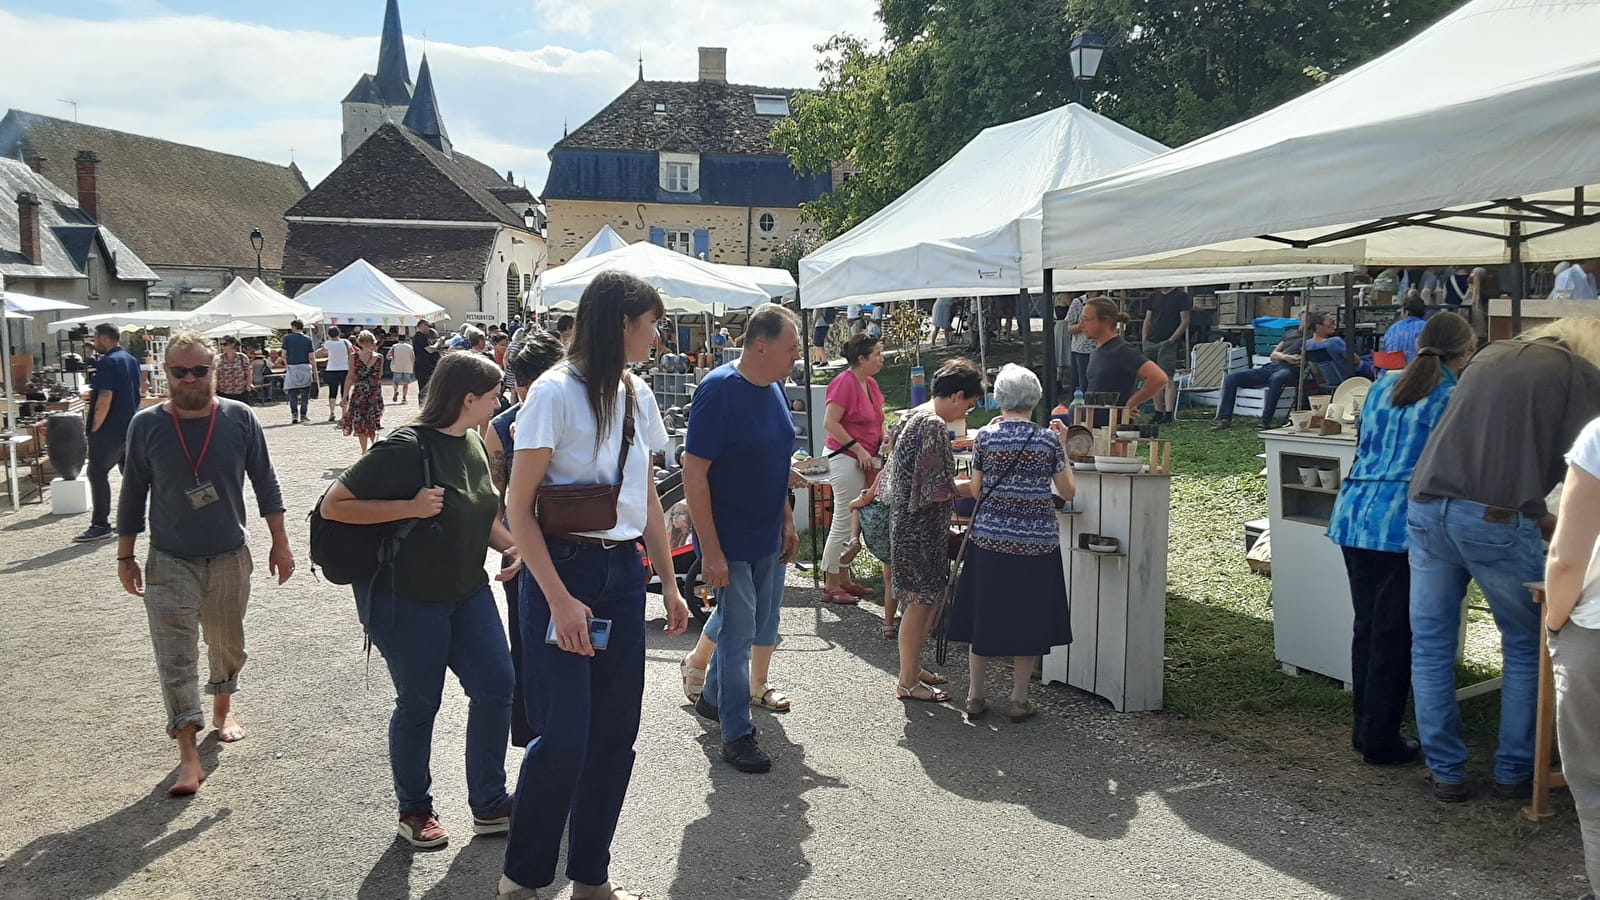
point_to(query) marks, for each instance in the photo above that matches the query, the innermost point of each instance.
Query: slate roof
(395, 175)
(393, 81)
(319, 251)
(174, 204)
(423, 115)
(66, 233)
(710, 117)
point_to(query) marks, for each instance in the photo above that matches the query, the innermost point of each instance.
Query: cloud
(257, 91)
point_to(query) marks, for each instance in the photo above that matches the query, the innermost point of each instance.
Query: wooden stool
(1546, 777)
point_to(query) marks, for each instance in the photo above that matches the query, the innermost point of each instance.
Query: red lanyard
(194, 464)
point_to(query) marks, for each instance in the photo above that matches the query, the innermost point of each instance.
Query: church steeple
(423, 117)
(393, 80)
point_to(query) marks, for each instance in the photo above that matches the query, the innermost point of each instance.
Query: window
(767, 222)
(772, 105)
(661, 107)
(527, 283)
(680, 242)
(677, 177)
(513, 282)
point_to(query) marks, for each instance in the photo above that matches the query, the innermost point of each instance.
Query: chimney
(36, 163)
(714, 64)
(28, 227)
(88, 191)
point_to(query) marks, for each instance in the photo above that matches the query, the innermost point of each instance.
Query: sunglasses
(180, 373)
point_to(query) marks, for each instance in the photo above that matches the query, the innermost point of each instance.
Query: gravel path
(868, 796)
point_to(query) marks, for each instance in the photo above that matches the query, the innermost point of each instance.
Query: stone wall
(574, 222)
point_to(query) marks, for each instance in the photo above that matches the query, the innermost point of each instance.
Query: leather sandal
(517, 893)
(694, 680)
(770, 698)
(927, 677)
(921, 692)
(605, 891)
(840, 597)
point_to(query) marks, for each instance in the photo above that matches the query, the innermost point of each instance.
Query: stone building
(51, 247)
(186, 211)
(687, 165)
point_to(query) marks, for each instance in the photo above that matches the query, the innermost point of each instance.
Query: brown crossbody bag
(569, 509)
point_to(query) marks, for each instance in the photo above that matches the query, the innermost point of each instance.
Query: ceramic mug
(1308, 476)
(1329, 478)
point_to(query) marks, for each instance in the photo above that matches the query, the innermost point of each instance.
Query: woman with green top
(434, 611)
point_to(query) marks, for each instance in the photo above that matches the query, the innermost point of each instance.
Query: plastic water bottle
(1077, 397)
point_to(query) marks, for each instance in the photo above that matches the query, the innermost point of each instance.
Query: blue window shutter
(702, 243)
(658, 236)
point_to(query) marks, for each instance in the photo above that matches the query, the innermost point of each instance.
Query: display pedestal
(1118, 600)
(69, 498)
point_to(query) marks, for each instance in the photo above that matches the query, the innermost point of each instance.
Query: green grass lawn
(1221, 672)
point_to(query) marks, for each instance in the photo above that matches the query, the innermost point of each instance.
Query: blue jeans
(746, 616)
(105, 451)
(1450, 543)
(1080, 371)
(1272, 376)
(585, 711)
(419, 640)
(299, 401)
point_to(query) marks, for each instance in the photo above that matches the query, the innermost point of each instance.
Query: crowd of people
(555, 475)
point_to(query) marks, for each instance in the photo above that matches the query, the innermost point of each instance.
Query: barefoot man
(189, 456)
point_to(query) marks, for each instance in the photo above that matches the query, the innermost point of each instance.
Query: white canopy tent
(14, 303)
(359, 294)
(778, 283)
(604, 241)
(150, 318)
(686, 284)
(1446, 150)
(243, 301)
(238, 328)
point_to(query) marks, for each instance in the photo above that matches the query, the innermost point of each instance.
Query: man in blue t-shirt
(300, 372)
(736, 477)
(113, 399)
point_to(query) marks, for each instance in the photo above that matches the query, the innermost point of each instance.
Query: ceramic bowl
(1119, 465)
(1104, 545)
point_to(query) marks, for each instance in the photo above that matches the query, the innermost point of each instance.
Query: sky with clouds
(258, 79)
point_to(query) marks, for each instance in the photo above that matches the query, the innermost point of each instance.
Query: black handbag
(347, 553)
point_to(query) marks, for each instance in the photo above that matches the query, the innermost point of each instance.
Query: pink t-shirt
(863, 411)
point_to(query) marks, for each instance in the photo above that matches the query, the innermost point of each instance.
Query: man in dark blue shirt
(300, 372)
(736, 469)
(113, 399)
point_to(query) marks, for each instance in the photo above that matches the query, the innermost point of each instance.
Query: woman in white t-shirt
(336, 350)
(1572, 613)
(582, 700)
(403, 368)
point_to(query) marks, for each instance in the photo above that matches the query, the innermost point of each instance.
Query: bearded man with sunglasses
(189, 457)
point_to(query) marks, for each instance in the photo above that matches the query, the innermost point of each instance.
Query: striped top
(1018, 517)
(1370, 513)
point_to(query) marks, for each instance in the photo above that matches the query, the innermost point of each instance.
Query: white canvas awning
(1438, 152)
(243, 301)
(604, 241)
(686, 284)
(238, 328)
(361, 295)
(150, 318)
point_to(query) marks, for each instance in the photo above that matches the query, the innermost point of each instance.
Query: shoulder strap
(627, 431)
(425, 453)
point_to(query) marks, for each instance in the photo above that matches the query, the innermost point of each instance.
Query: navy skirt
(1009, 605)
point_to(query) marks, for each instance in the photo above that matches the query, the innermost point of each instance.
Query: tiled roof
(395, 175)
(174, 204)
(422, 117)
(318, 251)
(709, 116)
(66, 233)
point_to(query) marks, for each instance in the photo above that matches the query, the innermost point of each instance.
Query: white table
(14, 441)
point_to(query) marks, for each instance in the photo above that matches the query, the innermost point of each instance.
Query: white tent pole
(983, 339)
(11, 399)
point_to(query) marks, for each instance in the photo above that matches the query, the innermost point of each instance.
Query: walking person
(1012, 597)
(336, 350)
(425, 347)
(1369, 525)
(233, 371)
(531, 359)
(853, 419)
(590, 418)
(1477, 512)
(921, 492)
(188, 457)
(435, 612)
(736, 478)
(1165, 330)
(402, 369)
(113, 400)
(300, 372)
(363, 414)
(1572, 613)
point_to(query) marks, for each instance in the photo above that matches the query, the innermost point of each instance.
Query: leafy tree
(1176, 70)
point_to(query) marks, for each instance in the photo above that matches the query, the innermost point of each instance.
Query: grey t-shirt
(1515, 413)
(155, 466)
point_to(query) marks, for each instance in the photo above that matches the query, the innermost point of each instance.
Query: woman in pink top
(854, 423)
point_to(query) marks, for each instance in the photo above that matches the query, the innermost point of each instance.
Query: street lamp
(257, 241)
(1085, 53)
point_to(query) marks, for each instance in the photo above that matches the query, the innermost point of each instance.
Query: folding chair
(1209, 366)
(1388, 360)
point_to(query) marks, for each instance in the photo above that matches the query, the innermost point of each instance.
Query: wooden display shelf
(1306, 488)
(1118, 555)
(1307, 520)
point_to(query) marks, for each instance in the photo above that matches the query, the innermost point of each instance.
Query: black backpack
(348, 553)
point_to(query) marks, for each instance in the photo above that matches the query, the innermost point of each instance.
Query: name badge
(202, 495)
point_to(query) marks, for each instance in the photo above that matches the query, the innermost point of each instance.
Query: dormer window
(680, 172)
(661, 108)
(772, 105)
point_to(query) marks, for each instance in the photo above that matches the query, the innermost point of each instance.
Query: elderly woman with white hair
(1012, 596)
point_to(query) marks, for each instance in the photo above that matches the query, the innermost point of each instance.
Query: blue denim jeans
(1450, 543)
(419, 640)
(299, 402)
(746, 616)
(1275, 377)
(585, 711)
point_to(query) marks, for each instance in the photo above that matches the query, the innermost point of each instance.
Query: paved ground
(868, 797)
